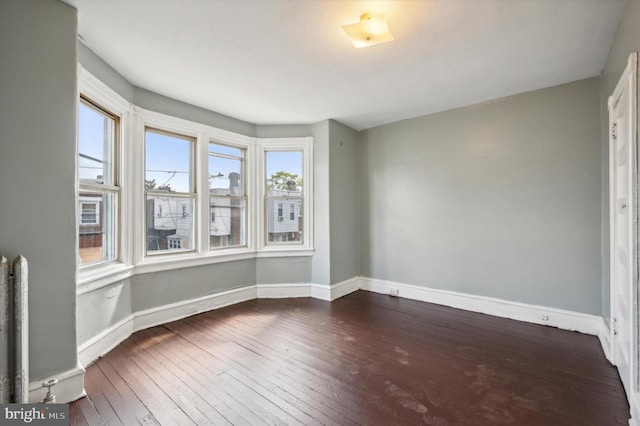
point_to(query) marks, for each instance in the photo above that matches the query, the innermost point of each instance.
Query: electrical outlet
(394, 292)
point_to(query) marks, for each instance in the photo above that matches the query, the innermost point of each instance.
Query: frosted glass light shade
(369, 31)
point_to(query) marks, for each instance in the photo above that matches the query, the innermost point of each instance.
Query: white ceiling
(288, 61)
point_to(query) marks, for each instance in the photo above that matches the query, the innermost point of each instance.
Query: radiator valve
(50, 398)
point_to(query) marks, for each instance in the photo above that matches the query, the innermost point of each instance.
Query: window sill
(100, 276)
(168, 262)
(275, 251)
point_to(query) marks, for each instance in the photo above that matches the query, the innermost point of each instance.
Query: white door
(623, 218)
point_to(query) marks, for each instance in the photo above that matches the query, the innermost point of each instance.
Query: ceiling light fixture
(369, 31)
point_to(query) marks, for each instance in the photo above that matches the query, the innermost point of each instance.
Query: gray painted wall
(344, 209)
(163, 288)
(158, 103)
(155, 102)
(626, 41)
(283, 131)
(500, 199)
(321, 262)
(37, 170)
(283, 270)
(103, 308)
(104, 72)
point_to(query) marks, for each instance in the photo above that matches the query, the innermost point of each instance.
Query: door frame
(629, 76)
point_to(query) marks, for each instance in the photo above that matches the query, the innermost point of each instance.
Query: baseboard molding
(567, 320)
(108, 339)
(70, 386)
(634, 405)
(343, 288)
(282, 291)
(175, 311)
(605, 339)
(104, 342)
(317, 291)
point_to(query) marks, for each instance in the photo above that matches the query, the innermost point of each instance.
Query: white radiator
(14, 331)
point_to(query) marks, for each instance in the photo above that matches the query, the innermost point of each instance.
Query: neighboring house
(89, 209)
(169, 220)
(169, 223)
(225, 217)
(284, 215)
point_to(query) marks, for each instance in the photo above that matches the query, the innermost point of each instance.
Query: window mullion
(138, 192)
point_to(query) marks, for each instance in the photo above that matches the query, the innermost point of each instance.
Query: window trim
(108, 101)
(304, 145)
(203, 135)
(248, 203)
(155, 193)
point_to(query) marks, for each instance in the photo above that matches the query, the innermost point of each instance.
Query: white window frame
(193, 195)
(203, 134)
(304, 145)
(93, 274)
(246, 183)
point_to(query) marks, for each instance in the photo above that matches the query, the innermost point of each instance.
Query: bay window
(157, 192)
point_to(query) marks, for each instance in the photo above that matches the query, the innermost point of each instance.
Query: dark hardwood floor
(364, 359)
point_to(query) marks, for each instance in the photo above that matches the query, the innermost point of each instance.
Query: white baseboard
(102, 343)
(320, 291)
(345, 287)
(634, 405)
(108, 339)
(70, 386)
(283, 291)
(175, 311)
(605, 339)
(317, 291)
(567, 320)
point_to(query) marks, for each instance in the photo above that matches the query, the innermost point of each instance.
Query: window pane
(215, 148)
(96, 142)
(97, 227)
(284, 220)
(169, 223)
(227, 222)
(226, 175)
(168, 160)
(284, 196)
(284, 171)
